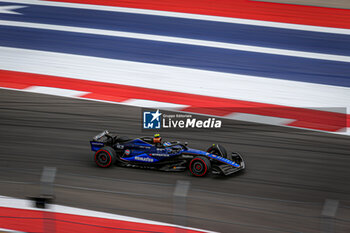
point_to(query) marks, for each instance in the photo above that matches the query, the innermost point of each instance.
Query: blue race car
(152, 153)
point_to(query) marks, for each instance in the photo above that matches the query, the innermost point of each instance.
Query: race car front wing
(226, 169)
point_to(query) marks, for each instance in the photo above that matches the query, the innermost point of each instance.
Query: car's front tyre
(200, 166)
(105, 157)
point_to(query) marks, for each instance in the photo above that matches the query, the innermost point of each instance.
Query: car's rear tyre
(105, 157)
(218, 150)
(200, 166)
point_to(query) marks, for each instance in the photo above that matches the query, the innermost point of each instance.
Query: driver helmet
(157, 138)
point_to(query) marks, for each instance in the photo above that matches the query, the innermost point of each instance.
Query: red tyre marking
(205, 166)
(110, 158)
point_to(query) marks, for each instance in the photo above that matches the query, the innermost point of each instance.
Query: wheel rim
(197, 167)
(102, 159)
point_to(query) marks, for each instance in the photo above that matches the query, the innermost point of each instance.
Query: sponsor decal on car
(144, 159)
(224, 160)
(144, 147)
(120, 146)
(97, 143)
(127, 152)
(159, 155)
(187, 156)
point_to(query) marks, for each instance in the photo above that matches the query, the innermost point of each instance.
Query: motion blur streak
(146, 97)
(216, 84)
(245, 9)
(256, 49)
(265, 20)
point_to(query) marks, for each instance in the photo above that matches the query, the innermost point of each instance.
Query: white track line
(10, 9)
(55, 91)
(193, 81)
(154, 104)
(259, 119)
(10, 231)
(179, 40)
(185, 16)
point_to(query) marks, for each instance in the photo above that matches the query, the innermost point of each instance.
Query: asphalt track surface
(289, 172)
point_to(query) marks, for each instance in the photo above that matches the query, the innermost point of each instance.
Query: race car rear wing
(100, 135)
(100, 140)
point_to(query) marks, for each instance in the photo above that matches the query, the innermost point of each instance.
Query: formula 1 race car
(151, 152)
